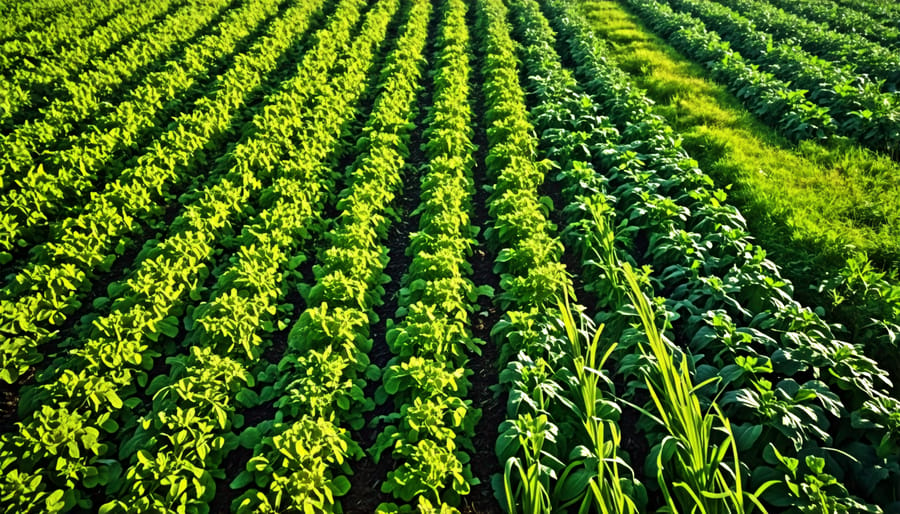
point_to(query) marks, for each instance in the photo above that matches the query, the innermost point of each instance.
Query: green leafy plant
(700, 479)
(602, 467)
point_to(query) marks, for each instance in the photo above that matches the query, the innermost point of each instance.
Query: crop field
(450, 256)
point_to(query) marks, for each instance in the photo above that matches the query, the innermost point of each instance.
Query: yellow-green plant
(692, 464)
(606, 486)
(534, 477)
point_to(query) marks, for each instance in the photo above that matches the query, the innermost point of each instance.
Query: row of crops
(806, 80)
(267, 256)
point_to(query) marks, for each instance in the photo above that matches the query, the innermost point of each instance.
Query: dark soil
(484, 378)
(485, 367)
(365, 485)
(9, 401)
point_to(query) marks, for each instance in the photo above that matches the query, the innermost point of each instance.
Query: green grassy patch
(810, 205)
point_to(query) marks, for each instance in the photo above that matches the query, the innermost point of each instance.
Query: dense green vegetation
(402, 256)
(788, 182)
(786, 190)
